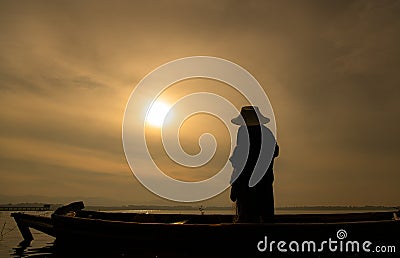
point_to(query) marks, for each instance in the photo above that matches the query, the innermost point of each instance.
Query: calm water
(42, 245)
(10, 237)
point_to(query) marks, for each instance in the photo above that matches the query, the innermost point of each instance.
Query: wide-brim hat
(250, 115)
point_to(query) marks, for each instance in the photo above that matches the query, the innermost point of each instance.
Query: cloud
(329, 69)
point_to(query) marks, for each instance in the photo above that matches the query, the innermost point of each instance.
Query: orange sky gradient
(329, 68)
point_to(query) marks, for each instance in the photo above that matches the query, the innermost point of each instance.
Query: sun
(157, 113)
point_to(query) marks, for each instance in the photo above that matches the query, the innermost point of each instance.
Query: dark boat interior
(222, 219)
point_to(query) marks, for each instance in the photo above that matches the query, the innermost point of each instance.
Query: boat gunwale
(178, 224)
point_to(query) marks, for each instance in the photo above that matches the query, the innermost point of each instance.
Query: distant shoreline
(185, 207)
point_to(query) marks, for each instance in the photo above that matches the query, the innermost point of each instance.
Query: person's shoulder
(242, 129)
(266, 130)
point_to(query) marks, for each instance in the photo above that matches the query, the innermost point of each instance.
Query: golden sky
(330, 69)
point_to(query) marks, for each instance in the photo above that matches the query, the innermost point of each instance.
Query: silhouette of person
(253, 161)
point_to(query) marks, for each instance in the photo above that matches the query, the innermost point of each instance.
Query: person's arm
(239, 153)
(276, 152)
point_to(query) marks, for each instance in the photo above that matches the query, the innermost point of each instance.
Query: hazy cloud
(330, 69)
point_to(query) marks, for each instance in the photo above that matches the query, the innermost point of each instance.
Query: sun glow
(157, 113)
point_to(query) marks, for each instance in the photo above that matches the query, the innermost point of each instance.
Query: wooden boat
(209, 235)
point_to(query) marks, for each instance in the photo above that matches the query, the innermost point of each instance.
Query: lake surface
(43, 245)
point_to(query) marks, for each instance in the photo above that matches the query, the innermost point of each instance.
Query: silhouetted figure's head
(250, 116)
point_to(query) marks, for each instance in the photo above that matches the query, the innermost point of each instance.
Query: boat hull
(109, 234)
(218, 239)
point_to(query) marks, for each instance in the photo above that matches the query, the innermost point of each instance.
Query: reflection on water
(52, 250)
(26, 250)
(10, 239)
